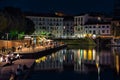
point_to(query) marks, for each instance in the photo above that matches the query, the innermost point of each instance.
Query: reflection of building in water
(54, 61)
(85, 56)
(82, 57)
(106, 58)
(68, 57)
(117, 60)
(116, 52)
(77, 57)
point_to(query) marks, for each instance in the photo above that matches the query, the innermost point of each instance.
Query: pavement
(26, 50)
(5, 69)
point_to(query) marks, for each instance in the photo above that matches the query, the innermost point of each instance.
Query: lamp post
(7, 40)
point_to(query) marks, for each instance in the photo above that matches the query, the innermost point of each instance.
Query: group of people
(9, 57)
(18, 74)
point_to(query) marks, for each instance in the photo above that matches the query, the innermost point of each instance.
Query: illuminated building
(68, 29)
(47, 22)
(64, 26)
(79, 22)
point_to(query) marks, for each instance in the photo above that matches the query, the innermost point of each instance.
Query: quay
(28, 56)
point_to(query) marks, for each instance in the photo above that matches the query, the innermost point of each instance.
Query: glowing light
(78, 53)
(117, 63)
(94, 36)
(85, 54)
(89, 54)
(97, 65)
(81, 53)
(94, 54)
(64, 58)
(41, 59)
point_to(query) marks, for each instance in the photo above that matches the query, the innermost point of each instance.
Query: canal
(78, 64)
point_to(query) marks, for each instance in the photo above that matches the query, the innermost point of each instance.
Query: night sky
(65, 6)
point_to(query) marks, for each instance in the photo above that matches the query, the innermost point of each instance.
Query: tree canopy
(13, 21)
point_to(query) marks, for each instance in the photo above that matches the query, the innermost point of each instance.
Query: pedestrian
(12, 76)
(20, 67)
(25, 67)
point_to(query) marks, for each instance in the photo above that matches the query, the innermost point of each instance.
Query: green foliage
(3, 23)
(21, 35)
(12, 21)
(29, 26)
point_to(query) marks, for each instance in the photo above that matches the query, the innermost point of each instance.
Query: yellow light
(97, 65)
(89, 54)
(37, 61)
(41, 59)
(85, 54)
(117, 63)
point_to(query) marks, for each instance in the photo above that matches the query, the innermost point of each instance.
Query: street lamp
(7, 40)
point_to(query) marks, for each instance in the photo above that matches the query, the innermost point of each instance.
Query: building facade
(79, 28)
(48, 23)
(68, 29)
(71, 26)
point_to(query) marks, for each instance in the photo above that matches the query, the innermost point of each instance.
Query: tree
(13, 21)
(29, 27)
(3, 22)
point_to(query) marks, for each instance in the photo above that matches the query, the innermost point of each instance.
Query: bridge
(107, 40)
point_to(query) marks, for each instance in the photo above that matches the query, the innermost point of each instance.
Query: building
(98, 29)
(68, 29)
(79, 26)
(49, 23)
(79, 22)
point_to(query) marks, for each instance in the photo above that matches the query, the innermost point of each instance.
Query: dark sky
(66, 6)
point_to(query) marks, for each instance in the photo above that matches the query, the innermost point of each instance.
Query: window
(103, 31)
(90, 31)
(78, 29)
(39, 19)
(103, 26)
(81, 19)
(86, 27)
(94, 32)
(107, 26)
(40, 23)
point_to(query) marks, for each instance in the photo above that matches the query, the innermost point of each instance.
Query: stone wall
(10, 43)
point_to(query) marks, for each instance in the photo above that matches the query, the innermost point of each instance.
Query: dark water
(78, 64)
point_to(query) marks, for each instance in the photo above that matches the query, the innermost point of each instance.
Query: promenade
(6, 69)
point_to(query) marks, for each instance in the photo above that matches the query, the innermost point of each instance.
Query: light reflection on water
(104, 63)
(80, 59)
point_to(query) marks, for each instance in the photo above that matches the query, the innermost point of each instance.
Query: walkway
(6, 69)
(36, 49)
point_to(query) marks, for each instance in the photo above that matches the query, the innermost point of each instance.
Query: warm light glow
(41, 59)
(94, 54)
(64, 58)
(94, 36)
(78, 53)
(85, 54)
(89, 54)
(117, 63)
(97, 65)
